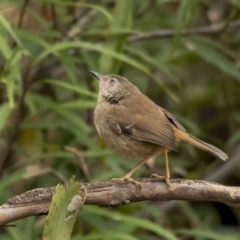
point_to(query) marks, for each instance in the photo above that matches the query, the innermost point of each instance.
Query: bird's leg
(167, 172)
(127, 177)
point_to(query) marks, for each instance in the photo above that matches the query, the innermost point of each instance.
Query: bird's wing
(172, 119)
(146, 124)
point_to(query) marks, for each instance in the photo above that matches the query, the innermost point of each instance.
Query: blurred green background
(182, 54)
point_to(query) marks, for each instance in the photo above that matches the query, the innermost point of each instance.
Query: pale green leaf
(61, 219)
(12, 72)
(4, 47)
(9, 29)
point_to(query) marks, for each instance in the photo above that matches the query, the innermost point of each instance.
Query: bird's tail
(185, 137)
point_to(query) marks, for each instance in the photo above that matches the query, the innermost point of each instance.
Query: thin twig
(22, 13)
(76, 30)
(148, 6)
(80, 160)
(208, 30)
(54, 16)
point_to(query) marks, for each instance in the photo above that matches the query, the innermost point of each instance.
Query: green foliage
(135, 222)
(5, 110)
(61, 219)
(45, 64)
(206, 234)
(117, 43)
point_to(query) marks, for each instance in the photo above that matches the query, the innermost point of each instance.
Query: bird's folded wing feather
(151, 127)
(172, 119)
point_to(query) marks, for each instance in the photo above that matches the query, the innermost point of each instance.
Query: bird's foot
(125, 178)
(163, 178)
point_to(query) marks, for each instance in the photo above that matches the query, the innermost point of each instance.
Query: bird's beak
(97, 75)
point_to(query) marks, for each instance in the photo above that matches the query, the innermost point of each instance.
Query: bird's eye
(112, 82)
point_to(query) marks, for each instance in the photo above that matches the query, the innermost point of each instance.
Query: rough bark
(115, 193)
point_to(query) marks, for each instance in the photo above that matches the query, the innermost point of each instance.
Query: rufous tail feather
(187, 138)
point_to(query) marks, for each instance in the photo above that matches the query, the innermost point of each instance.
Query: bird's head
(113, 88)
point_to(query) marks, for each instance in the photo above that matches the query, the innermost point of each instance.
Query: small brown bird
(133, 126)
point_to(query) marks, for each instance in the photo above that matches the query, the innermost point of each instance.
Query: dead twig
(80, 160)
(207, 30)
(54, 16)
(22, 13)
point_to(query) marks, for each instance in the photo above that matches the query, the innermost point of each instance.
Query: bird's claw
(138, 184)
(163, 178)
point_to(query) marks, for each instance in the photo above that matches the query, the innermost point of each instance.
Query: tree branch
(208, 30)
(115, 193)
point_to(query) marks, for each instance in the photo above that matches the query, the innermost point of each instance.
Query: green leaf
(106, 235)
(67, 155)
(71, 87)
(182, 15)
(56, 154)
(86, 5)
(186, 11)
(216, 44)
(142, 223)
(9, 29)
(4, 47)
(236, 3)
(206, 234)
(5, 110)
(72, 117)
(119, 56)
(117, 43)
(62, 213)
(79, 104)
(163, 66)
(38, 15)
(25, 230)
(215, 57)
(148, 59)
(234, 138)
(11, 73)
(86, 45)
(15, 233)
(56, 107)
(38, 43)
(68, 65)
(11, 178)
